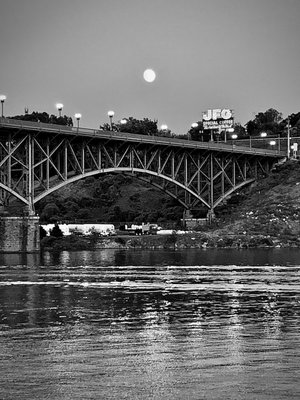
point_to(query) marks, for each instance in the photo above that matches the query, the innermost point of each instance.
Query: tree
(56, 231)
(44, 118)
(294, 121)
(269, 122)
(239, 130)
(50, 212)
(43, 232)
(196, 132)
(252, 128)
(143, 126)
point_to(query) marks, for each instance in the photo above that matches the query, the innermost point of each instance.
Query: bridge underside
(34, 164)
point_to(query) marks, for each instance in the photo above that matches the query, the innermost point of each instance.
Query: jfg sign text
(217, 119)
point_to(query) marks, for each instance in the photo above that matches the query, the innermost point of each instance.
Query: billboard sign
(217, 119)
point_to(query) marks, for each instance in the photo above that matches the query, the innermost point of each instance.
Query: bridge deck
(9, 124)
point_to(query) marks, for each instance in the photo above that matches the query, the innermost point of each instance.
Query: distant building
(83, 229)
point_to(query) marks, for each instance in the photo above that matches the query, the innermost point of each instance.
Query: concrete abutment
(19, 234)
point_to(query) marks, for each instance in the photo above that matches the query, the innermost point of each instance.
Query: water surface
(196, 324)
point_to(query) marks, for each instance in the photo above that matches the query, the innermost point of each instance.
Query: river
(120, 324)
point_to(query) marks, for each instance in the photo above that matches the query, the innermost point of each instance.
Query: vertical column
(211, 214)
(48, 164)
(115, 156)
(159, 162)
(9, 161)
(30, 181)
(186, 176)
(145, 158)
(233, 171)
(185, 170)
(173, 165)
(131, 157)
(198, 175)
(211, 180)
(82, 158)
(100, 166)
(223, 176)
(66, 159)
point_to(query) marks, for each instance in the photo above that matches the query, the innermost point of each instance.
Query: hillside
(109, 198)
(270, 208)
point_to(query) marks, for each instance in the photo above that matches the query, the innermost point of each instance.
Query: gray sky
(90, 55)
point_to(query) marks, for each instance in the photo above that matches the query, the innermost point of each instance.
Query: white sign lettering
(218, 118)
(217, 114)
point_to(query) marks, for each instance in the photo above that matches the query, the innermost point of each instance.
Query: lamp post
(288, 138)
(233, 137)
(250, 140)
(272, 143)
(229, 130)
(77, 116)
(110, 115)
(164, 127)
(193, 126)
(263, 135)
(2, 99)
(59, 107)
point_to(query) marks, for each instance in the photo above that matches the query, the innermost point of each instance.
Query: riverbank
(194, 240)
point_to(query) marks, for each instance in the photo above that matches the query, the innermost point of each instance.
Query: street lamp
(2, 99)
(59, 107)
(111, 114)
(77, 116)
(122, 124)
(233, 137)
(194, 125)
(263, 135)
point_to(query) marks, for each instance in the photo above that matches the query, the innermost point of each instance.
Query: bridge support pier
(210, 216)
(19, 234)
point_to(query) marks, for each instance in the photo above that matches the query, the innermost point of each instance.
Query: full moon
(149, 75)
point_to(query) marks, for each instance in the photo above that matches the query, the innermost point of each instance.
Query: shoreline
(195, 240)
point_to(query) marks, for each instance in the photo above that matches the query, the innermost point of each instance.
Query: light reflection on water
(150, 325)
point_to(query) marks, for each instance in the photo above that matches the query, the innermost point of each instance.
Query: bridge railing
(36, 126)
(171, 141)
(270, 143)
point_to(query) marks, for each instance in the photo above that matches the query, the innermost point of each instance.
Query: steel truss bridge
(37, 159)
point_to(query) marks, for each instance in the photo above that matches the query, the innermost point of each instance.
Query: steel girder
(34, 163)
